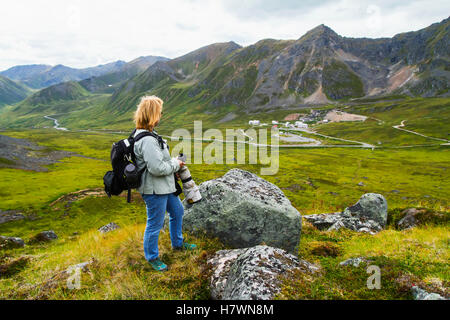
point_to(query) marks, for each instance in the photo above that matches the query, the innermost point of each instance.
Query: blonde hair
(148, 113)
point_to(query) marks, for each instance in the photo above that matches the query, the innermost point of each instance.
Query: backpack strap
(129, 195)
(151, 134)
(132, 134)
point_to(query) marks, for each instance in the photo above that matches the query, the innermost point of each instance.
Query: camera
(190, 189)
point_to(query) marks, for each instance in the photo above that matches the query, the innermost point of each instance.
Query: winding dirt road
(402, 125)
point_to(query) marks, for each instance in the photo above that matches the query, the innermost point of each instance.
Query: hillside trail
(360, 143)
(402, 125)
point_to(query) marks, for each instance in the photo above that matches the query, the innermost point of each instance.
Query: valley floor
(315, 181)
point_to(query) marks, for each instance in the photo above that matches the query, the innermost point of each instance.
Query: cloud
(81, 33)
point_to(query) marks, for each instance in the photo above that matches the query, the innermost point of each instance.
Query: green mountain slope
(109, 82)
(63, 91)
(11, 91)
(188, 69)
(63, 98)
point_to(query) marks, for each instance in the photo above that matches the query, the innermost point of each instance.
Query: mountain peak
(321, 31)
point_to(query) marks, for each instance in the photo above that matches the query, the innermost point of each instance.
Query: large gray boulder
(252, 273)
(244, 210)
(371, 206)
(369, 214)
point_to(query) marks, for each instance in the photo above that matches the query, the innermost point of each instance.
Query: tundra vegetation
(316, 180)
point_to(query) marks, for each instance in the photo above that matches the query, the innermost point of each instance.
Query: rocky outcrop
(369, 214)
(11, 242)
(44, 236)
(252, 273)
(109, 227)
(420, 294)
(244, 210)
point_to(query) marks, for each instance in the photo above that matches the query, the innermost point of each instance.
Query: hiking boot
(186, 246)
(158, 265)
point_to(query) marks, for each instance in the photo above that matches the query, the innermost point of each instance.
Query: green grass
(315, 181)
(420, 255)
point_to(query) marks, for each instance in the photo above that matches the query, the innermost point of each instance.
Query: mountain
(42, 76)
(109, 82)
(318, 68)
(225, 81)
(63, 91)
(187, 69)
(63, 98)
(58, 94)
(11, 91)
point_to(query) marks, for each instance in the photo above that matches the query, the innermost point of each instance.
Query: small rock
(395, 191)
(252, 273)
(82, 266)
(355, 262)
(13, 265)
(44, 236)
(109, 227)
(12, 215)
(407, 222)
(420, 294)
(336, 226)
(361, 184)
(11, 242)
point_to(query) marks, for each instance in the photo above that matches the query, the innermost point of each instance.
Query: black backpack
(124, 174)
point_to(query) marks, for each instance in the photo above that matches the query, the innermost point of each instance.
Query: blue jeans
(157, 205)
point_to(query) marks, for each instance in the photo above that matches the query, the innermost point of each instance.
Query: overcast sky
(82, 33)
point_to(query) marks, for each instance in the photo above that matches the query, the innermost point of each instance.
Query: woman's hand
(181, 163)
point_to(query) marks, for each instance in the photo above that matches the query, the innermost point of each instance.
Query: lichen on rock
(244, 210)
(252, 273)
(369, 215)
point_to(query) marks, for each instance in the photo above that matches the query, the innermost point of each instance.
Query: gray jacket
(158, 177)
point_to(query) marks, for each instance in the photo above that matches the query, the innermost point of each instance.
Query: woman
(158, 183)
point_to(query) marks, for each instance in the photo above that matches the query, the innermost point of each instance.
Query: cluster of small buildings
(314, 116)
(254, 122)
(296, 124)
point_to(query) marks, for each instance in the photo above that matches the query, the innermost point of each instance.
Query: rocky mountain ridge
(318, 68)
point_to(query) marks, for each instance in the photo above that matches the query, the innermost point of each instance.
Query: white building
(274, 122)
(300, 124)
(254, 122)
